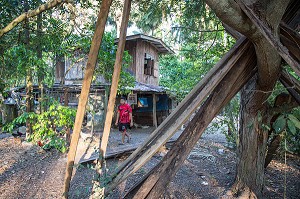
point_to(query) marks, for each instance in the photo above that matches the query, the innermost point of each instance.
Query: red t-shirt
(124, 110)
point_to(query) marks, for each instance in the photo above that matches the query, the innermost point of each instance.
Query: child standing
(124, 119)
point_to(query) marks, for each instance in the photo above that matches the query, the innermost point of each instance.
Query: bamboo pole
(86, 84)
(98, 192)
(115, 77)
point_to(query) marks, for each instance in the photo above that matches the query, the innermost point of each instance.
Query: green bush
(48, 127)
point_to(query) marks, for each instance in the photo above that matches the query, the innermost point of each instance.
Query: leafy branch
(32, 13)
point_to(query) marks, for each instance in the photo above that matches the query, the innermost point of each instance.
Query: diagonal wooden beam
(290, 39)
(86, 84)
(155, 183)
(182, 112)
(115, 77)
(267, 33)
(291, 84)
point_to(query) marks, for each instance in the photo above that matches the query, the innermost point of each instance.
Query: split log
(272, 148)
(291, 40)
(291, 84)
(156, 182)
(86, 84)
(267, 33)
(182, 112)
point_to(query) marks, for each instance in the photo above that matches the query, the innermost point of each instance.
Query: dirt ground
(26, 171)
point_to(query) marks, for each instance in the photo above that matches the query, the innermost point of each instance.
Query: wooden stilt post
(105, 102)
(86, 84)
(154, 110)
(157, 180)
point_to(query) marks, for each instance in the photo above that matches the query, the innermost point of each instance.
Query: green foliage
(48, 127)
(19, 121)
(47, 124)
(17, 61)
(106, 58)
(290, 124)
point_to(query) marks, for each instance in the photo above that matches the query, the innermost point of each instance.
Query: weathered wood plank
(291, 84)
(291, 40)
(86, 84)
(182, 112)
(117, 152)
(157, 180)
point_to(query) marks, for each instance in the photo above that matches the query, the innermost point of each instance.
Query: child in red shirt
(124, 118)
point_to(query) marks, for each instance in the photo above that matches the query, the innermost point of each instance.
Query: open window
(148, 64)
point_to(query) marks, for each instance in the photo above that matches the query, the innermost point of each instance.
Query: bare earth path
(26, 171)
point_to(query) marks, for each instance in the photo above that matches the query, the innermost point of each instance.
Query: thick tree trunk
(253, 139)
(251, 149)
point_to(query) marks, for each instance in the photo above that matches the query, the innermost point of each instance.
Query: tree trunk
(251, 149)
(60, 69)
(253, 139)
(29, 97)
(40, 56)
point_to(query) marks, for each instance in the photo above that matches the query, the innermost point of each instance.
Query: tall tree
(253, 138)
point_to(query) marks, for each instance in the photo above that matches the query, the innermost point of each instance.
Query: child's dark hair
(123, 98)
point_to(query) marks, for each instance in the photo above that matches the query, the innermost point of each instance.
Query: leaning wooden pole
(112, 99)
(86, 84)
(115, 77)
(155, 183)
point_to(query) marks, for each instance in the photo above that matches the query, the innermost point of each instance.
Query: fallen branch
(32, 13)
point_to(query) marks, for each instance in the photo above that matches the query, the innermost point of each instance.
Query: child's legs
(123, 136)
